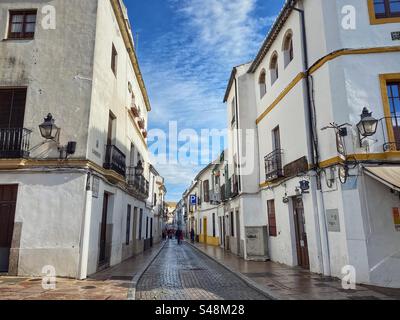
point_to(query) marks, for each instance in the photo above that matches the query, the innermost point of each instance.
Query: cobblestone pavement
(182, 273)
(111, 284)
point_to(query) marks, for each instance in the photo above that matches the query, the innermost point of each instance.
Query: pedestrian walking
(178, 236)
(192, 235)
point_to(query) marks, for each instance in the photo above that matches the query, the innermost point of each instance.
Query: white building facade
(317, 190)
(86, 209)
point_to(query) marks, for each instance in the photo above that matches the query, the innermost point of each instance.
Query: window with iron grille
(271, 218)
(22, 24)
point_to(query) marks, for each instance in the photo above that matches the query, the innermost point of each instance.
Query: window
(140, 223)
(384, 11)
(263, 84)
(271, 218)
(393, 95)
(288, 48)
(22, 24)
(233, 111)
(114, 60)
(206, 191)
(128, 225)
(232, 223)
(273, 67)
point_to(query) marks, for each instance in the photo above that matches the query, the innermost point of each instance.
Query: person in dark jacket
(192, 235)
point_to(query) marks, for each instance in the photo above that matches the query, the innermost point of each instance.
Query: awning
(387, 175)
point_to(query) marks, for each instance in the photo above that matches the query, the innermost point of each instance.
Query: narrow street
(182, 273)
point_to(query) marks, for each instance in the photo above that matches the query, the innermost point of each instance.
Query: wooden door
(301, 234)
(238, 232)
(8, 199)
(103, 231)
(151, 232)
(205, 229)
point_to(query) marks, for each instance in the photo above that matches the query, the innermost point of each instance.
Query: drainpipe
(237, 136)
(316, 180)
(84, 250)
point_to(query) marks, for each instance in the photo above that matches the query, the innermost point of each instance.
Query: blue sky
(186, 50)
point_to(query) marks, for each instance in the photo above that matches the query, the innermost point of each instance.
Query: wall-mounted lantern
(139, 169)
(50, 131)
(367, 126)
(48, 128)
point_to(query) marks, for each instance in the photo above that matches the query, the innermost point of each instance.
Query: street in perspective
(200, 150)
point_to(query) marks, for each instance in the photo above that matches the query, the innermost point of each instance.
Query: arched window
(288, 48)
(273, 67)
(262, 83)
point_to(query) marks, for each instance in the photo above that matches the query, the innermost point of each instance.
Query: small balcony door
(14, 139)
(276, 139)
(111, 129)
(12, 108)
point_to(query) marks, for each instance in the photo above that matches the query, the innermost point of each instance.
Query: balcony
(273, 165)
(392, 132)
(135, 110)
(141, 124)
(14, 143)
(139, 184)
(115, 160)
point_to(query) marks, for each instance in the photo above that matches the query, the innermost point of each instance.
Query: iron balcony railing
(390, 127)
(115, 160)
(14, 143)
(139, 183)
(273, 165)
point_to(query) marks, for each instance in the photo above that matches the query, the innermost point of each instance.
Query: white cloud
(187, 68)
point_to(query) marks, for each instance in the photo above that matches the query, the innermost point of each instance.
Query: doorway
(151, 232)
(238, 232)
(8, 200)
(205, 230)
(301, 234)
(103, 231)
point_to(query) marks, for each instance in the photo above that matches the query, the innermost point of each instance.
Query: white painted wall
(50, 207)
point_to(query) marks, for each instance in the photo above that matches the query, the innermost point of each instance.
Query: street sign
(193, 200)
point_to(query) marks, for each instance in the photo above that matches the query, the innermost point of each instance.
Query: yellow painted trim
(213, 241)
(319, 65)
(390, 155)
(347, 52)
(384, 79)
(374, 20)
(15, 164)
(131, 49)
(292, 84)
